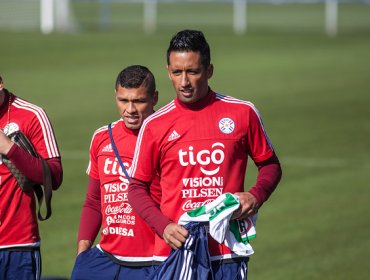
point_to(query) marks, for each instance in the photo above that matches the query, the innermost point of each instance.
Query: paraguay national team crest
(226, 125)
(10, 128)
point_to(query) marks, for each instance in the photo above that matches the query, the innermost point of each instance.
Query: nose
(184, 80)
(131, 108)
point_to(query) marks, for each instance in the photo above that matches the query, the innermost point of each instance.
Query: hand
(175, 235)
(5, 143)
(83, 245)
(248, 206)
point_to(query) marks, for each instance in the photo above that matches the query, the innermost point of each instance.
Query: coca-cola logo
(119, 209)
(203, 158)
(190, 205)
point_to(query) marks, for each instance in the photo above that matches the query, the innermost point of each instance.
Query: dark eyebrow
(133, 100)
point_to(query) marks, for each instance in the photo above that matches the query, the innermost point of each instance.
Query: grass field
(282, 18)
(313, 93)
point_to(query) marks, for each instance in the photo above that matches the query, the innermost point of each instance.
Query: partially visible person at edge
(125, 250)
(19, 234)
(200, 143)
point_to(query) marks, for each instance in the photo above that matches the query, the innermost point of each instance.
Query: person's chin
(132, 125)
(187, 98)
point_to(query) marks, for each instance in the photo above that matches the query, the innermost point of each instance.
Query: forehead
(132, 93)
(183, 59)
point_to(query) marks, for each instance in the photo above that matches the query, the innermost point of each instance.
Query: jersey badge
(107, 149)
(174, 135)
(10, 128)
(226, 125)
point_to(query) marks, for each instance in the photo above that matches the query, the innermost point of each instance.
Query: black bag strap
(24, 143)
(19, 138)
(116, 151)
(48, 191)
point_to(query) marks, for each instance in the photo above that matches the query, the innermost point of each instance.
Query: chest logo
(174, 135)
(226, 125)
(205, 158)
(107, 149)
(10, 128)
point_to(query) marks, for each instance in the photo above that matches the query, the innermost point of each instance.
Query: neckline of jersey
(199, 105)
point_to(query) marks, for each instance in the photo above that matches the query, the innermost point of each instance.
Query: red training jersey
(18, 221)
(124, 234)
(200, 151)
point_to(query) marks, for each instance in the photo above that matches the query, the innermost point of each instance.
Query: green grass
(312, 91)
(282, 18)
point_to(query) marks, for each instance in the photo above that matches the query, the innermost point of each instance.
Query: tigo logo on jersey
(226, 125)
(203, 158)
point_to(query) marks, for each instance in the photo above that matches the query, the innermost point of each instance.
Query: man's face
(135, 105)
(189, 76)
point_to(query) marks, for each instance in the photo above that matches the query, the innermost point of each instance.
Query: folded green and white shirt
(235, 234)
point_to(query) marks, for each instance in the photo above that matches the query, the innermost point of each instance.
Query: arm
(141, 201)
(269, 171)
(91, 217)
(269, 175)
(29, 165)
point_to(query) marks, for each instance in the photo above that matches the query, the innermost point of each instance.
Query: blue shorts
(220, 271)
(234, 270)
(20, 265)
(94, 264)
(192, 260)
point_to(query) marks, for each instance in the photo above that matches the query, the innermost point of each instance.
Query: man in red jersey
(19, 235)
(199, 144)
(125, 249)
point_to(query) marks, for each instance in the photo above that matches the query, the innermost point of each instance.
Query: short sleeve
(92, 169)
(41, 134)
(259, 145)
(146, 158)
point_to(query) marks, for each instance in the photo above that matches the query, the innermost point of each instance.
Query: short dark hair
(190, 40)
(135, 76)
(1, 79)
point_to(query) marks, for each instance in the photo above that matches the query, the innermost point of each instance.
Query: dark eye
(195, 71)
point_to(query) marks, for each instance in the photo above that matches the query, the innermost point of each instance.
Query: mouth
(187, 92)
(131, 119)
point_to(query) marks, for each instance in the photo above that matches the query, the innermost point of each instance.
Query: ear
(210, 71)
(168, 72)
(155, 98)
